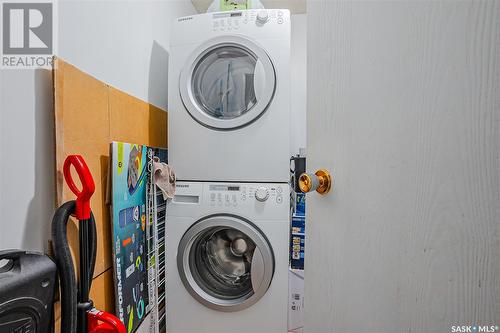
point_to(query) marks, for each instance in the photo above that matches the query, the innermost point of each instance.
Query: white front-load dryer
(227, 258)
(229, 96)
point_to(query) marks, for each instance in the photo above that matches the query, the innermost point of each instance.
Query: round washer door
(227, 83)
(225, 262)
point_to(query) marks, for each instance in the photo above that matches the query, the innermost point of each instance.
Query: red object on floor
(104, 322)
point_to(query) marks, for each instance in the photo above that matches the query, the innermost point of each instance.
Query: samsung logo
(182, 19)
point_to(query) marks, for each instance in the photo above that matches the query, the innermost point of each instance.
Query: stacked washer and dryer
(228, 224)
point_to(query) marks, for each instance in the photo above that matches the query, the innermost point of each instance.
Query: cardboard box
(295, 300)
(89, 115)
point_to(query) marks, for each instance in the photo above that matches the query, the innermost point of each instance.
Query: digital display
(225, 15)
(224, 188)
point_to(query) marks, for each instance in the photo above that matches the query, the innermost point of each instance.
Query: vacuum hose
(64, 261)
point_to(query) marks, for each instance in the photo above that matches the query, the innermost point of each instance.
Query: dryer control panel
(255, 24)
(229, 21)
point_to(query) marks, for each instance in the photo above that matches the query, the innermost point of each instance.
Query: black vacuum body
(27, 285)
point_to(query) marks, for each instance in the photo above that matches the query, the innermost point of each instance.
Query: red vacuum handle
(104, 322)
(82, 211)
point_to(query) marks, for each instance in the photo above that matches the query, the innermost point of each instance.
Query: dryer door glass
(225, 263)
(223, 82)
(227, 83)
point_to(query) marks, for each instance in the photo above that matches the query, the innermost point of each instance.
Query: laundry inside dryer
(223, 82)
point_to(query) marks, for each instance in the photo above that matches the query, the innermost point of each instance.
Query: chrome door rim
(185, 84)
(190, 283)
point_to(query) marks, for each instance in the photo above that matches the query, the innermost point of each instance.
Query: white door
(404, 110)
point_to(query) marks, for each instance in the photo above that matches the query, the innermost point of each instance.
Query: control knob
(261, 194)
(262, 17)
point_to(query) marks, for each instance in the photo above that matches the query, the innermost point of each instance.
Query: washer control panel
(227, 195)
(234, 20)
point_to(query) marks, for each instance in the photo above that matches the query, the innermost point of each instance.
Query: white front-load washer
(229, 96)
(227, 258)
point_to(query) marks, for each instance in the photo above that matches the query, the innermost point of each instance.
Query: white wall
(298, 74)
(124, 43)
(26, 168)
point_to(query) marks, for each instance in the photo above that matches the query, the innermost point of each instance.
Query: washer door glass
(228, 83)
(225, 263)
(221, 260)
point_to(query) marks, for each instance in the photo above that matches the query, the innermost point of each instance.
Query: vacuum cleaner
(77, 310)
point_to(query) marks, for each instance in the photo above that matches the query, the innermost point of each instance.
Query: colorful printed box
(129, 180)
(297, 242)
(300, 204)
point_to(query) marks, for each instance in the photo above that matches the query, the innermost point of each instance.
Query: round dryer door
(225, 262)
(228, 83)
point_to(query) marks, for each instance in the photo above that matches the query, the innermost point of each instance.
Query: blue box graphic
(297, 242)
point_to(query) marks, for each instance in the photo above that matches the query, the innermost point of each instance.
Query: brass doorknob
(320, 182)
